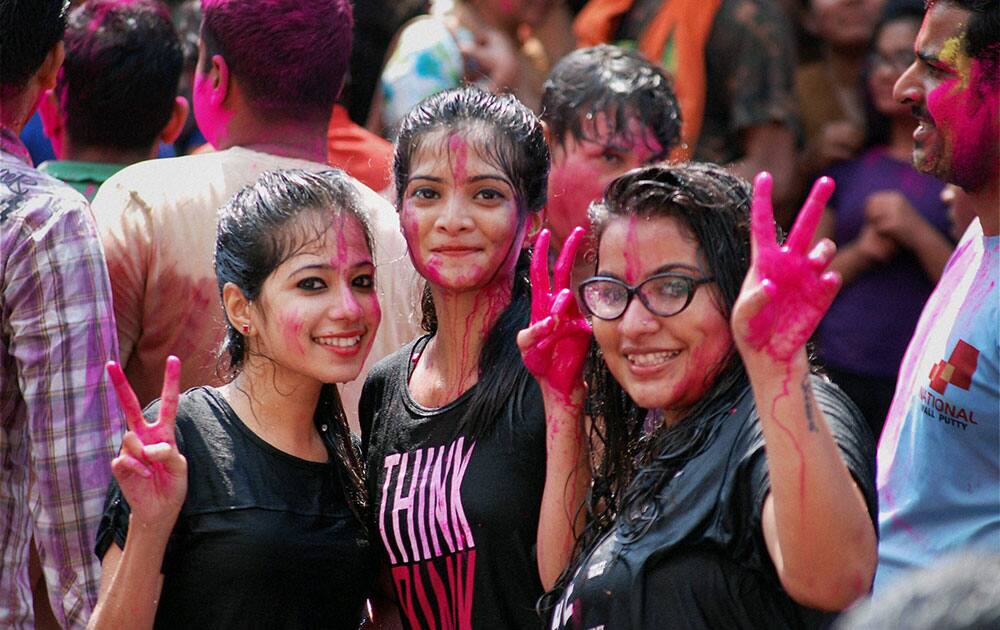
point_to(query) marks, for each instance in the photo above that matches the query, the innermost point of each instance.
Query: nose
(345, 304)
(637, 319)
(454, 217)
(907, 88)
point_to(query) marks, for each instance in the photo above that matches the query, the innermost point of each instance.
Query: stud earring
(246, 329)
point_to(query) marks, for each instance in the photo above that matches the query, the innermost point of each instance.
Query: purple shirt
(871, 321)
(59, 420)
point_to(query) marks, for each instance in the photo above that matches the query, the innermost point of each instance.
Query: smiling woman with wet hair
(700, 321)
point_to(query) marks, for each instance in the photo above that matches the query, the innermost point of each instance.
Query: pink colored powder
(633, 263)
(460, 151)
(212, 117)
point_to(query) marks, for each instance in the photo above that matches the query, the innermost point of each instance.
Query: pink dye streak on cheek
(459, 151)
(291, 329)
(968, 119)
(633, 262)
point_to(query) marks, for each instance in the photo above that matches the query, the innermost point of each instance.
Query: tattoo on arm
(810, 402)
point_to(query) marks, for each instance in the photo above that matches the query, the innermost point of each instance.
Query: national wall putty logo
(957, 370)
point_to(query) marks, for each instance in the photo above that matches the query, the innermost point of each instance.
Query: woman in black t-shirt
(700, 362)
(453, 425)
(243, 506)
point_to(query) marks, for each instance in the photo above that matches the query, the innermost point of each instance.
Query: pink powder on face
(291, 327)
(459, 151)
(967, 117)
(633, 263)
(213, 118)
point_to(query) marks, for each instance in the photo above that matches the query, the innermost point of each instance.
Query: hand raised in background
(150, 470)
(555, 345)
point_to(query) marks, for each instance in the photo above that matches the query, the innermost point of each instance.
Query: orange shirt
(363, 155)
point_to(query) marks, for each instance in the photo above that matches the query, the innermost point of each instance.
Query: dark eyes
(364, 281)
(425, 193)
(611, 157)
(313, 284)
(489, 194)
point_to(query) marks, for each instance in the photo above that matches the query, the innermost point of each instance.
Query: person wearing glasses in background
(699, 364)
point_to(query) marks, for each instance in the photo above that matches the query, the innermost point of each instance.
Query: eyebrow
(474, 178)
(327, 266)
(669, 267)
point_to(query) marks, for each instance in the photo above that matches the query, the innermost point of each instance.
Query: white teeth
(651, 358)
(339, 342)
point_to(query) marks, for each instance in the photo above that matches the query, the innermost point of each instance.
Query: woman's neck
(280, 412)
(451, 358)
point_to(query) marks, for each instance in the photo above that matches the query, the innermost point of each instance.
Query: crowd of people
(499, 314)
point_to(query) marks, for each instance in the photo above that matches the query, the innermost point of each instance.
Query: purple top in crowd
(59, 420)
(873, 317)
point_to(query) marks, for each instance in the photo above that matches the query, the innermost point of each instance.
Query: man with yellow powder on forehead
(939, 456)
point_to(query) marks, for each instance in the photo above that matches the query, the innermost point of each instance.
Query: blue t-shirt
(938, 473)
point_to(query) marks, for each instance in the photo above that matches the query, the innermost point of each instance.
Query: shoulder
(199, 411)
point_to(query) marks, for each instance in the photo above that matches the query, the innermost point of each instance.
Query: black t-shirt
(703, 563)
(264, 539)
(457, 516)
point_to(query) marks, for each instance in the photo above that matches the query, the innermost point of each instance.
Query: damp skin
(464, 231)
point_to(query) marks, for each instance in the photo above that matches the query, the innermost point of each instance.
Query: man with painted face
(268, 75)
(605, 111)
(59, 420)
(938, 460)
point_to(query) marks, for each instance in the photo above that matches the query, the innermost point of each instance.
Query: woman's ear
(238, 309)
(535, 223)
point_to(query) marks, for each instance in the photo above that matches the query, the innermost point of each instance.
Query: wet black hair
(713, 207)
(619, 83)
(28, 31)
(119, 80)
(260, 228)
(513, 141)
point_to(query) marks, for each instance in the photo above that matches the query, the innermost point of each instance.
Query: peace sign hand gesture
(150, 470)
(555, 345)
(788, 289)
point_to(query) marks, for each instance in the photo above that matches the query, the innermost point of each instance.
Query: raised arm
(816, 525)
(554, 348)
(152, 475)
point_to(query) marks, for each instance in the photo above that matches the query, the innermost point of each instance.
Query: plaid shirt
(60, 422)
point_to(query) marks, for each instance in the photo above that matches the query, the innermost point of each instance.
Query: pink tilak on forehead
(341, 241)
(633, 263)
(459, 150)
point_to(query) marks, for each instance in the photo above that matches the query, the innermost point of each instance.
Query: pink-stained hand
(555, 345)
(150, 470)
(788, 289)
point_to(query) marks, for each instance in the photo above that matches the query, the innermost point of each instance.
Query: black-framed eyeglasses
(664, 294)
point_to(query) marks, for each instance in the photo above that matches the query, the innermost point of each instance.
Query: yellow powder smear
(953, 54)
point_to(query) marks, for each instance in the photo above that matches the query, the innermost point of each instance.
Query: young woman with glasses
(732, 486)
